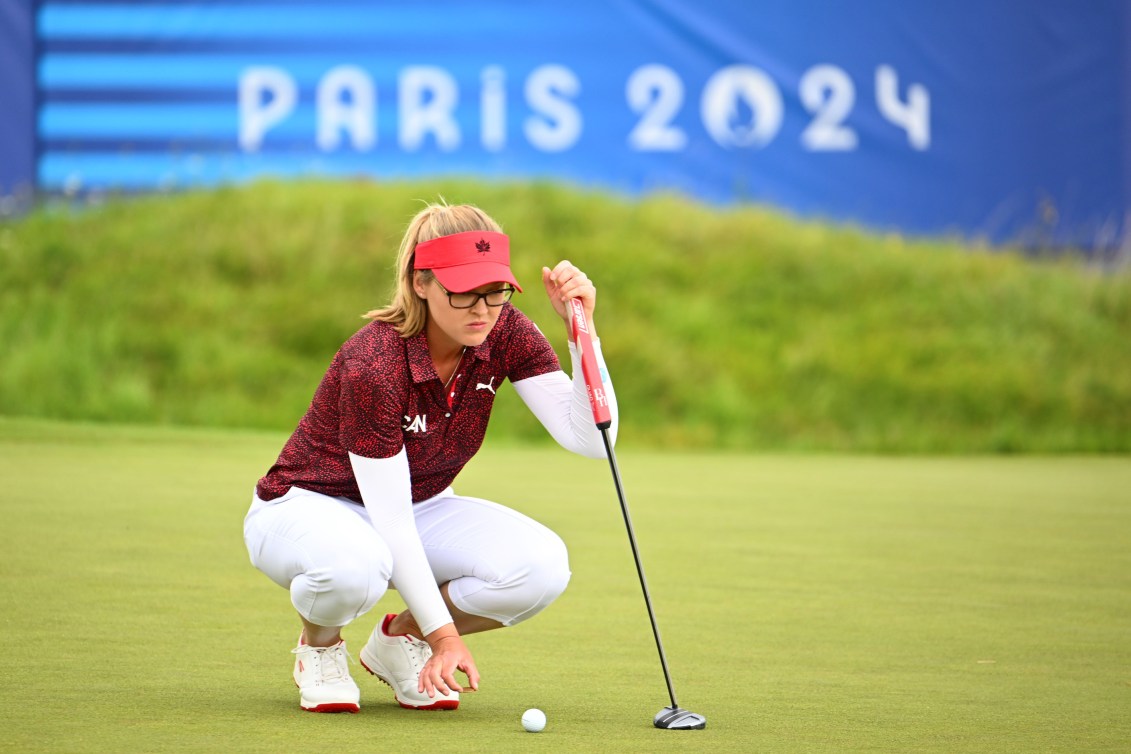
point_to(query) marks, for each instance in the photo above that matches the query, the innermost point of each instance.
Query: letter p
(267, 96)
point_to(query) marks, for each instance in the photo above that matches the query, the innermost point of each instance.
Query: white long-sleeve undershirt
(386, 490)
(563, 406)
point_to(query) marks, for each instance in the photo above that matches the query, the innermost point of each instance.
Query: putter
(673, 717)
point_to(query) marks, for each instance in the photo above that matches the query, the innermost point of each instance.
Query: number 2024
(655, 93)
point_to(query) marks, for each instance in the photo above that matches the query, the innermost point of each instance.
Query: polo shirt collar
(420, 360)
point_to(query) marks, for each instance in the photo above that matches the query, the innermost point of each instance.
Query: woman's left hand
(449, 654)
(564, 282)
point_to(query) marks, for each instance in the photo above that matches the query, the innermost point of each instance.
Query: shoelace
(418, 651)
(332, 662)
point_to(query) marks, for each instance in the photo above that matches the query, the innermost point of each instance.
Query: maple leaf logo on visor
(483, 246)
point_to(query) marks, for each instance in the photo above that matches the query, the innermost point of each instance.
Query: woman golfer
(360, 498)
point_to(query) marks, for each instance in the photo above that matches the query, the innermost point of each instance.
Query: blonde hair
(407, 312)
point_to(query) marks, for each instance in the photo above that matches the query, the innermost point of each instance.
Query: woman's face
(463, 327)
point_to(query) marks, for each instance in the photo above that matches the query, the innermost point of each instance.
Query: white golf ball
(533, 720)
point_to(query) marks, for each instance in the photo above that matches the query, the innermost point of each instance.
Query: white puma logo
(416, 424)
(489, 386)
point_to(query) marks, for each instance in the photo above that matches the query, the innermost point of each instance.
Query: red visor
(463, 261)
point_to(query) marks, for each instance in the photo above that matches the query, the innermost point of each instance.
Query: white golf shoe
(322, 675)
(398, 660)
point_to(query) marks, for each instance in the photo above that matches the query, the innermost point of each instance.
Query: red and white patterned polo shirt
(382, 391)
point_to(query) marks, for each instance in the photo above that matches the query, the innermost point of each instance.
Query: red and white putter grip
(589, 369)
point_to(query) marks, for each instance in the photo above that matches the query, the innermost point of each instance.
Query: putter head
(677, 718)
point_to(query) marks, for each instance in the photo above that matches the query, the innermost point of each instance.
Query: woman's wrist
(569, 330)
(446, 631)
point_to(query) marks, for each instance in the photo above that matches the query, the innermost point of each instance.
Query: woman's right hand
(449, 654)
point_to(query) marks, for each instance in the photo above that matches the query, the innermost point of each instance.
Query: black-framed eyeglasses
(468, 300)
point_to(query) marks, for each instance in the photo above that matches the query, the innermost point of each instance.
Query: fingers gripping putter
(673, 717)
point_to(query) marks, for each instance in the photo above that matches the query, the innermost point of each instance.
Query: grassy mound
(737, 328)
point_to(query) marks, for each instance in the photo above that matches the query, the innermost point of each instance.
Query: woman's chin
(474, 335)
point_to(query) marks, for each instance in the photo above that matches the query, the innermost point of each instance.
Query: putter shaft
(639, 567)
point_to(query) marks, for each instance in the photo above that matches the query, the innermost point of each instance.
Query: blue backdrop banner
(1004, 119)
(17, 103)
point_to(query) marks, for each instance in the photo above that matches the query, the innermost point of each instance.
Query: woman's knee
(335, 567)
(336, 592)
(550, 569)
(533, 585)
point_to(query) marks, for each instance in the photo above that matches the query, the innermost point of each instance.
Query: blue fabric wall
(17, 99)
(1003, 119)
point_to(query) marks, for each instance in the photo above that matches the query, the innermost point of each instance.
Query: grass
(724, 328)
(808, 603)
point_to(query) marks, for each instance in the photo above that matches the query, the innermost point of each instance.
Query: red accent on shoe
(386, 623)
(333, 707)
(443, 704)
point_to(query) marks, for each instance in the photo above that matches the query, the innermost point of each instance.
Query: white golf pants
(498, 563)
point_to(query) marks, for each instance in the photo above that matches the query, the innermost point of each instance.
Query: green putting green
(807, 603)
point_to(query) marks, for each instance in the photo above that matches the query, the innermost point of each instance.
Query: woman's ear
(418, 284)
